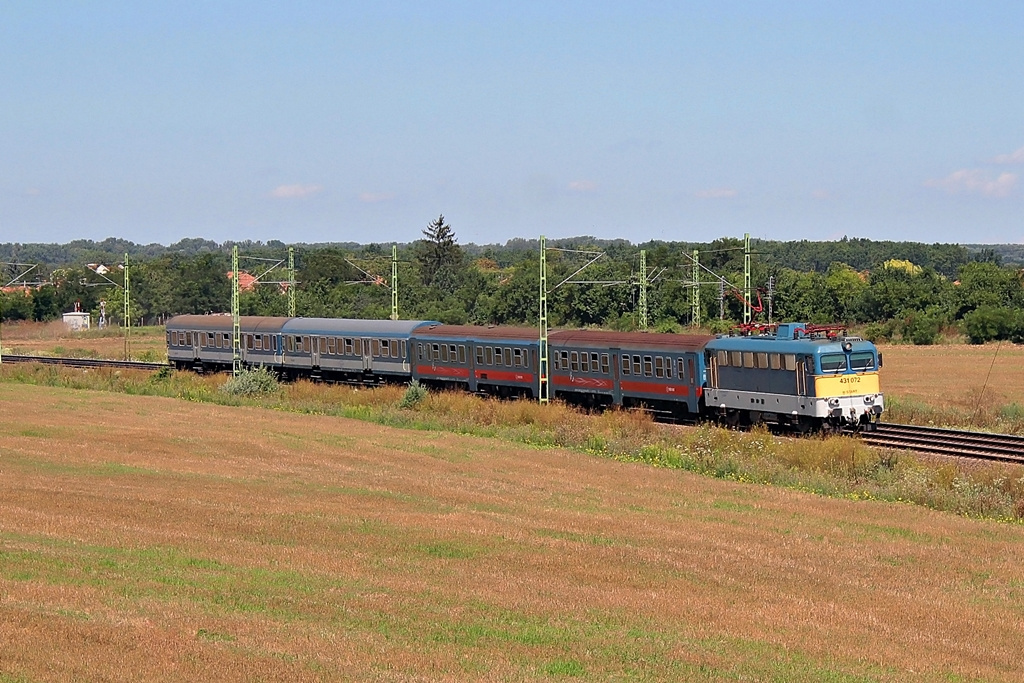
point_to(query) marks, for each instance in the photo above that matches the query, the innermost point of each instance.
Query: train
(792, 375)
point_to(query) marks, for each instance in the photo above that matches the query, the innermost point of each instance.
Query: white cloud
(295, 191)
(375, 197)
(583, 186)
(716, 193)
(1012, 158)
(975, 181)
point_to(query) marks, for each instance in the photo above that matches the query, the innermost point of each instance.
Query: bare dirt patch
(144, 537)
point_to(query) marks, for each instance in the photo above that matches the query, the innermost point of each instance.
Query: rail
(84, 362)
(978, 445)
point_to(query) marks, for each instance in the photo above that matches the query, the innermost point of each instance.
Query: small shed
(77, 321)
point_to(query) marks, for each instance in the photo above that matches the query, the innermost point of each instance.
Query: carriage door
(368, 354)
(801, 377)
(319, 345)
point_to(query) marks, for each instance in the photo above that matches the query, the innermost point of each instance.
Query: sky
(363, 121)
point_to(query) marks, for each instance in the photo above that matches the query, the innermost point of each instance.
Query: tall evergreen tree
(439, 251)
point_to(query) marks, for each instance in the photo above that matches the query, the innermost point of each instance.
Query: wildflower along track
(977, 445)
(144, 537)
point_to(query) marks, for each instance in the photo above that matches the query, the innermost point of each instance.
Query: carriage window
(257, 342)
(479, 355)
(385, 348)
(453, 352)
(760, 359)
(636, 365)
(736, 359)
(229, 341)
(679, 368)
(574, 361)
(499, 355)
(248, 342)
(490, 355)
(332, 346)
(405, 349)
(347, 346)
(625, 364)
(517, 358)
(290, 342)
(584, 361)
(563, 362)
(748, 359)
(668, 368)
(307, 346)
(419, 351)
(648, 367)
(774, 361)
(833, 362)
(659, 366)
(435, 352)
(444, 352)
(394, 348)
(789, 361)
(508, 356)
(862, 360)
(689, 366)
(604, 364)
(323, 344)
(357, 346)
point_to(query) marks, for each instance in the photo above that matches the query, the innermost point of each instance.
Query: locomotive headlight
(833, 402)
(870, 399)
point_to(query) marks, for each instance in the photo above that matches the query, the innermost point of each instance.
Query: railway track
(84, 362)
(978, 445)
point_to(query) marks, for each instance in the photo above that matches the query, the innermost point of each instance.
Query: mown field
(955, 375)
(144, 538)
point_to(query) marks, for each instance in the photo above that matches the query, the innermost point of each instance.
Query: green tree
(439, 255)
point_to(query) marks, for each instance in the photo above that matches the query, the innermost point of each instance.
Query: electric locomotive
(801, 376)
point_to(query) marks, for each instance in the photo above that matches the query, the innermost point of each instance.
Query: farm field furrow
(149, 538)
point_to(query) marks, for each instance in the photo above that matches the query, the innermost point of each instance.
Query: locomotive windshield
(862, 360)
(833, 362)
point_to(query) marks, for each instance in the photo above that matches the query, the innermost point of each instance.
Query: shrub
(986, 323)
(252, 382)
(922, 329)
(415, 394)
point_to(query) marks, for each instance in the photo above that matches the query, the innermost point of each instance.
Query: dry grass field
(951, 375)
(54, 339)
(152, 538)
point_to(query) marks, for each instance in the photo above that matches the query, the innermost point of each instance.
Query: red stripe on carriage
(654, 388)
(581, 382)
(442, 371)
(503, 376)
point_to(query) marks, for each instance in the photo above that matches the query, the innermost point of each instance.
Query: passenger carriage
(796, 378)
(663, 372)
(370, 351)
(493, 360)
(204, 342)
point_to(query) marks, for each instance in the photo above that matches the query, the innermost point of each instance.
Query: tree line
(894, 290)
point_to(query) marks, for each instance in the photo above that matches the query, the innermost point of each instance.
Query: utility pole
(291, 281)
(643, 290)
(127, 312)
(236, 337)
(747, 312)
(543, 393)
(771, 298)
(695, 291)
(394, 282)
